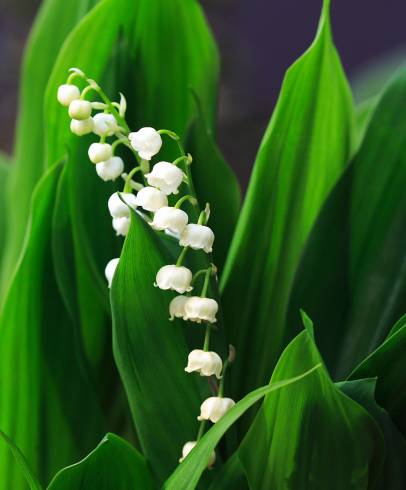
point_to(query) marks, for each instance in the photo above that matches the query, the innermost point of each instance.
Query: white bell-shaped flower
(177, 307)
(206, 363)
(67, 93)
(199, 309)
(165, 176)
(177, 278)
(104, 124)
(118, 208)
(214, 408)
(172, 219)
(121, 225)
(80, 109)
(100, 152)
(80, 128)
(146, 141)
(189, 446)
(110, 270)
(151, 199)
(198, 237)
(110, 169)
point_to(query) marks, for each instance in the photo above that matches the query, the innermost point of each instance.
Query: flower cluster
(150, 196)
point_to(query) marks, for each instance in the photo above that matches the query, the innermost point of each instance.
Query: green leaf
(355, 261)
(309, 435)
(187, 475)
(5, 168)
(304, 151)
(387, 363)
(394, 472)
(113, 465)
(231, 476)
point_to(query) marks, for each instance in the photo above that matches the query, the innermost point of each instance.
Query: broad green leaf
(54, 21)
(387, 363)
(354, 263)
(187, 475)
(231, 476)
(304, 151)
(5, 167)
(310, 435)
(113, 465)
(394, 472)
(50, 413)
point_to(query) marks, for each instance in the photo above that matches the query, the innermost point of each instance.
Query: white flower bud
(104, 124)
(214, 408)
(151, 199)
(67, 93)
(177, 307)
(118, 208)
(205, 363)
(189, 446)
(177, 278)
(80, 109)
(80, 128)
(110, 169)
(110, 270)
(172, 219)
(165, 176)
(199, 309)
(100, 152)
(121, 225)
(198, 237)
(147, 142)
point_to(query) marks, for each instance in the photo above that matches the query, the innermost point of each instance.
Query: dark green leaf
(231, 476)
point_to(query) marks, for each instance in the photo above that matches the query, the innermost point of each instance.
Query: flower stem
(181, 256)
(201, 430)
(127, 185)
(207, 338)
(189, 198)
(206, 282)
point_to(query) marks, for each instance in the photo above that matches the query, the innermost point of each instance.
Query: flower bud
(177, 278)
(214, 408)
(67, 93)
(189, 446)
(118, 208)
(165, 176)
(110, 270)
(80, 109)
(80, 128)
(110, 169)
(198, 237)
(172, 219)
(151, 199)
(104, 124)
(199, 309)
(205, 363)
(147, 142)
(177, 307)
(121, 225)
(100, 152)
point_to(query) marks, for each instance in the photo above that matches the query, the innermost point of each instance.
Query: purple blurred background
(258, 40)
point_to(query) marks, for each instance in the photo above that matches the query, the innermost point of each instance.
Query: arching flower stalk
(156, 182)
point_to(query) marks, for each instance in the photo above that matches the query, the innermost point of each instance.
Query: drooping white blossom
(121, 225)
(214, 408)
(146, 141)
(177, 278)
(100, 152)
(198, 237)
(118, 208)
(67, 93)
(110, 270)
(177, 307)
(110, 169)
(206, 363)
(151, 199)
(80, 109)
(199, 309)
(172, 219)
(165, 176)
(80, 128)
(189, 446)
(104, 124)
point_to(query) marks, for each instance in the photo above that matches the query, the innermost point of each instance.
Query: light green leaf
(5, 167)
(187, 475)
(304, 151)
(113, 465)
(309, 435)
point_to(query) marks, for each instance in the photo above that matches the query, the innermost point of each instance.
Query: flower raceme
(155, 185)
